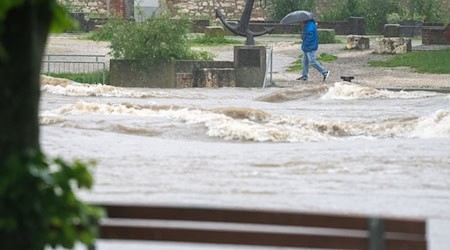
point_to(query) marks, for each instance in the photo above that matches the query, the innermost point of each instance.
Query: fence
(80, 68)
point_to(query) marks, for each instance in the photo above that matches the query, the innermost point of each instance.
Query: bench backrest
(260, 227)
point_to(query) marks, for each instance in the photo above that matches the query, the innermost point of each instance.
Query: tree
(278, 9)
(38, 206)
(344, 10)
(25, 25)
(429, 10)
(378, 12)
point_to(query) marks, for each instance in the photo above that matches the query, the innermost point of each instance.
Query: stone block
(392, 45)
(214, 32)
(434, 35)
(358, 42)
(391, 30)
(215, 77)
(185, 80)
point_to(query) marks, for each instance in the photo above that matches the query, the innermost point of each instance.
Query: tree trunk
(24, 36)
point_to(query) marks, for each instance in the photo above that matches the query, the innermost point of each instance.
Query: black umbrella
(298, 16)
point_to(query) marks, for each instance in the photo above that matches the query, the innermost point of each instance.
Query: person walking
(310, 45)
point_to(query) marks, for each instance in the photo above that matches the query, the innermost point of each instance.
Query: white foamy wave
(349, 91)
(256, 125)
(218, 124)
(50, 120)
(249, 124)
(247, 130)
(436, 125)
(238, 123)
(76, 89)
(59, 86)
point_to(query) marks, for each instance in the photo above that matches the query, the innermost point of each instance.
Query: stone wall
(101, 8)
(195, 9)
(232, 9)
(436, 35)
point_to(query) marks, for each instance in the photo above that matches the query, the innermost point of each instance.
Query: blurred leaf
(61, 21)
(47, 213)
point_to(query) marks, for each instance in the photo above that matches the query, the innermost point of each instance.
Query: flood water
(339, 148)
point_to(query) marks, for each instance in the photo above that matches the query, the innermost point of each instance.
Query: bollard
(347, 78)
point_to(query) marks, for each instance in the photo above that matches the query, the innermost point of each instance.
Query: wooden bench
(260, 227)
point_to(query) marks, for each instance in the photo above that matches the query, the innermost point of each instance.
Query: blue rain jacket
(310, 37)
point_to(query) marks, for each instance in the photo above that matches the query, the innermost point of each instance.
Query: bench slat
(248, 238)
(261, 217)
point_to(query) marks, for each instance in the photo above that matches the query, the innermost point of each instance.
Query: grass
(297, 65)
(434, 62)
(90, 78)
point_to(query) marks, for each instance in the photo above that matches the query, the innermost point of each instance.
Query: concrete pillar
(250, 65)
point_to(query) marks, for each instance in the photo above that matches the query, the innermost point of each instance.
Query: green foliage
(38, 205)
(277, 9)
(298, 65)
(108, 30)
(159, 39)
(374, 12)
(377, 13)
(213, 41)
(344, 10)
(426, 10)
(435, 62)
(326, 36)
(60, 22)
(393, 18)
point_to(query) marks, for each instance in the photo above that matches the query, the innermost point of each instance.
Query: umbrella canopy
(298, 16)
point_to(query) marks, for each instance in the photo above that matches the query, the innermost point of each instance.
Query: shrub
(393, 18)
(38, 205)
(156, 40)
(107, 31)
(426, 10)
(326, 36)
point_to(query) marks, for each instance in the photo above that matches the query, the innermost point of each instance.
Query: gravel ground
(286, 51)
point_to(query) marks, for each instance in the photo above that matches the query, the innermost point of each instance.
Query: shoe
(325, 77)
(302, 79)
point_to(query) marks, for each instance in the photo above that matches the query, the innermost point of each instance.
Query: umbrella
(298, 16)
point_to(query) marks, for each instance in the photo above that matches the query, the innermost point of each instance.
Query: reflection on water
(338, 147)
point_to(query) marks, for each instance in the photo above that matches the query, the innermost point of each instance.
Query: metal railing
(269, 67)
(86, 68)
